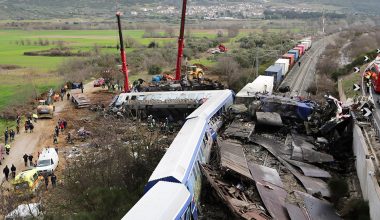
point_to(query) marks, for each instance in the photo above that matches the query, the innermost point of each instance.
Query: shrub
(154, 70)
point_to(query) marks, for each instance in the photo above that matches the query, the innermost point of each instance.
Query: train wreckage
(276, 153)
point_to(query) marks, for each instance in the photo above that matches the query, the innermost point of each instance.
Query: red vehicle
(374, 70)
(99, 82)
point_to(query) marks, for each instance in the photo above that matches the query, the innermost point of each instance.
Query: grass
(348, 82)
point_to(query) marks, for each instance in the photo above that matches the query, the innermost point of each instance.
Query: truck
(45, 108)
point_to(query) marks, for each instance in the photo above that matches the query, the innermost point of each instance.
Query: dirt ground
(42, 136)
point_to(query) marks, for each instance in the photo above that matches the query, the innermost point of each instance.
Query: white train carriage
(180, 164)
(164, 201)
(191, 146)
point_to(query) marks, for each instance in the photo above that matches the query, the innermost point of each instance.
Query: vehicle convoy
(27, 182)
(47, 161)
(45, 108)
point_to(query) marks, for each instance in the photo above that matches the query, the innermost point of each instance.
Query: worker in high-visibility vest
(7, 148)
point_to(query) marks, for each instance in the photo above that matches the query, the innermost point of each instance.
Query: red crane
(124, 67)
(180, 42)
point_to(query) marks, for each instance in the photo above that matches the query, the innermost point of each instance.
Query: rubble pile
(277, 157)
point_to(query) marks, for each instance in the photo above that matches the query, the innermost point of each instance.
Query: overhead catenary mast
(124, 67)
(180, 42)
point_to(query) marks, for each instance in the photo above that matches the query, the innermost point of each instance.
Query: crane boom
(124, 67)
(180, 42)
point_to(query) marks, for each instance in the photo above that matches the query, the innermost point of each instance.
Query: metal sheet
(242, 130)
(295, 212)
(269, 118)
(273, 146)
(233, 157)
(312, 185)
(240, 207)
(264, 174)
(308, 152)
(310, 170)
(273, 198)
(318, 209)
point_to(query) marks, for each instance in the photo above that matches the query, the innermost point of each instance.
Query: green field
(11, 51)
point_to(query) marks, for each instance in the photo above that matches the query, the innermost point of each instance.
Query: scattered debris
(232, 157)
(240, 130)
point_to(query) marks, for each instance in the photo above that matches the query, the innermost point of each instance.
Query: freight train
(173, 190)
(283, 65)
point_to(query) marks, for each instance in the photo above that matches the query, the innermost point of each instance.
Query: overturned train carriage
(180, 164)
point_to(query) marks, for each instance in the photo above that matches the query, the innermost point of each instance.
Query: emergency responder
(53, 179)
(6, 172)
(25, 159)
(7, 148)
(13, 170)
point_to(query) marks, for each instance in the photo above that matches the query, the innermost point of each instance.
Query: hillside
(46, 9)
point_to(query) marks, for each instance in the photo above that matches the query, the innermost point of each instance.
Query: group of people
(9, 135)
(6, 172)
(27, 157)
(60, 127)
(53, 180)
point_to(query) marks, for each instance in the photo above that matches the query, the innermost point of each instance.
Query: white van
(47, 161)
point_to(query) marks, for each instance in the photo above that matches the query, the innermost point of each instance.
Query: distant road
(301, 77)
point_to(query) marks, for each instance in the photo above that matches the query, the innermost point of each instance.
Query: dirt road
(31, 143)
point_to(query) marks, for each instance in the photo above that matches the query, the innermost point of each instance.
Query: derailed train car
(180, 165)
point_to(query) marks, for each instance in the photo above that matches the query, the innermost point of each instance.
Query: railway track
(299, 78)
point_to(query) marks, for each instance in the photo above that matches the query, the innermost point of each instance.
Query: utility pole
(323, 21)
(257, 63)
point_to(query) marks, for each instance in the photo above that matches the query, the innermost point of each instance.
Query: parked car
(47, 161)
(99, 82)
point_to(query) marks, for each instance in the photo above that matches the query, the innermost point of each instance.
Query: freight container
(299, 52)
(285, 65)
(262, 84)
(303, 48)
(290, 57)
(300, 49)
(276, 72)
(296, 55)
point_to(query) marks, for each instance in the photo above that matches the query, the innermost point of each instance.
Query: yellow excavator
(45, 108)
(194, 72)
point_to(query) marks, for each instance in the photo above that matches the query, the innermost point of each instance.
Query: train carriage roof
(176, 164)
(165, 201)
(213, 104)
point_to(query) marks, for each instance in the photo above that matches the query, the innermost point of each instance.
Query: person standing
(6, 136)
(55, 139)
(56, 131)
(30, 157)
(25, 159)
(6, 172)
(46, 178)
(7, 148)
(53, 179)
(13, 170)
(81, 86)
(12, 135)
(17, 129)
(18, 120)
